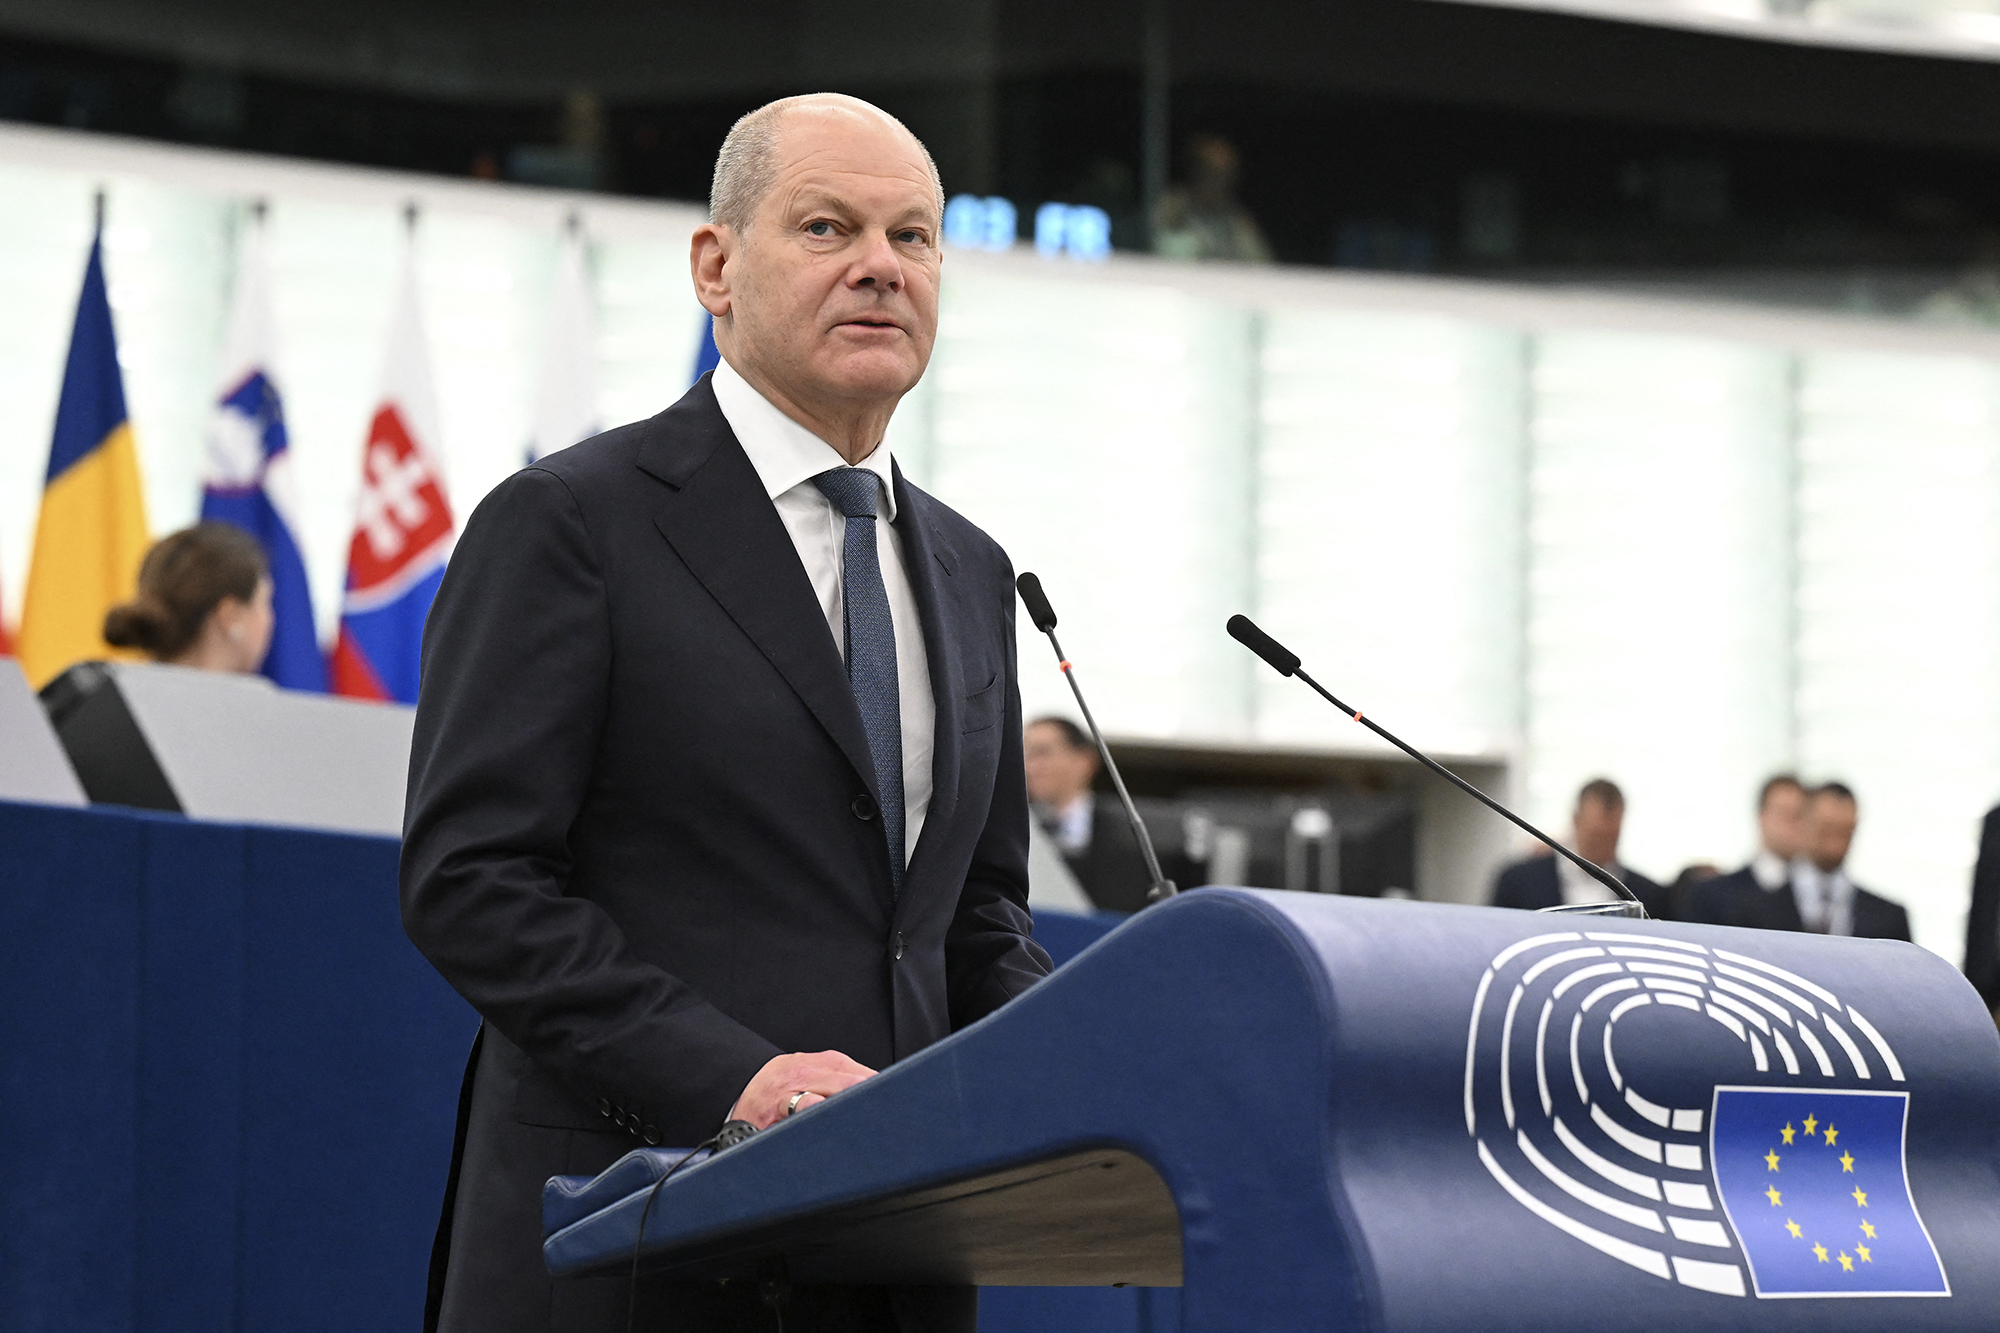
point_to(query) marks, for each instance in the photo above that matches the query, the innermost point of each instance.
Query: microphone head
(1245, 631)
(1036, 601)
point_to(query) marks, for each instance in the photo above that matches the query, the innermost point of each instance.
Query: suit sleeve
(990, 951)
(516, 671)
(1982, 924)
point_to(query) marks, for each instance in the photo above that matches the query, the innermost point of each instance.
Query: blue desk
(227, 1082)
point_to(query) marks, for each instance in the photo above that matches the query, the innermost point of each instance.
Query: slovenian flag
(566, 402)
(250, 480)
(91, 533)
(402, 527)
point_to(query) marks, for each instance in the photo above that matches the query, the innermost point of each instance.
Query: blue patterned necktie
(871, 645)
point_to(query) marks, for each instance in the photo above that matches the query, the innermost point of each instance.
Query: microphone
(1044, 617)
(1286, 663)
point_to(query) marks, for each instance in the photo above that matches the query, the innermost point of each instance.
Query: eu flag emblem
(1815, 1186)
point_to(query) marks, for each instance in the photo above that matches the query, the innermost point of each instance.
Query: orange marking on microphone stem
(1357, 715)
(1064, 664)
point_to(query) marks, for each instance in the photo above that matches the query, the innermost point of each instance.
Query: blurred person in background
(1547, 880)
(1090, 830)
(1982, 924)
(204, 601)
(1737, 899)
(1202, 217)
(1823, 898)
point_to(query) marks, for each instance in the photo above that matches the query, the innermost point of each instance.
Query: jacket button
(651, 1135)
(864, 807)
(604, 1106)
(899, 944)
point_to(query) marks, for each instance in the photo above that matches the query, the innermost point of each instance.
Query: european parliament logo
(1791, 1188)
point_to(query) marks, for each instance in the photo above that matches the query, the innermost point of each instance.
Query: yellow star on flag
(1820, 1250)
(1862, 1250)
(1793, 1227)
(1846, 1264)
(1811, 1124)
(1829, 1135)
(1773, 1193)
(1788, 1131)
(1860, 1198)
(1867, 1228)
(1847, 1161)
(1772, 1158)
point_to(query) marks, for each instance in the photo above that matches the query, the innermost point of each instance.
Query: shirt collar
(1771, 871)
(785, 453)
(1833, 883)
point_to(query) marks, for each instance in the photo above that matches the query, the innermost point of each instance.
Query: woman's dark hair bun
(141, 623)
(181, 580)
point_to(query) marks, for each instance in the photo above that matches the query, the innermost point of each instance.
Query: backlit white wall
(1658, 618)
(1573, 535)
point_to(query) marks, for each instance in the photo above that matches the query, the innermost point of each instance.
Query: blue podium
(1315, 1112)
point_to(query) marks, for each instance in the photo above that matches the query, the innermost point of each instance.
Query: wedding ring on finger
(792, 1106)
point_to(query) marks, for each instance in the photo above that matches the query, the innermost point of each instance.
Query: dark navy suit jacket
(642, 836)
(1532, 884)
(1982, 923)
(1737, 899)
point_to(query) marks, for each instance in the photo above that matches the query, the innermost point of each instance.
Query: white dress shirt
(787, 457)
(1579, 888)
(1071, 825)
(1825, 897)
(1771, 871)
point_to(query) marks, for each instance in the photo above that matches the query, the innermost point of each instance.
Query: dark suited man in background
(1548, 880)
(1090, 830)
(1982, 924)
(1818, 895)
(716, 800)
(1739, 897)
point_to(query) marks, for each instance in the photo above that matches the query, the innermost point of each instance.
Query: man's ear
(709, 253)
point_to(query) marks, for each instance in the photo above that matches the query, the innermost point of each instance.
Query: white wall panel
(1658, 600)
(1899, 611)
(1388, 527)
(1102, 435)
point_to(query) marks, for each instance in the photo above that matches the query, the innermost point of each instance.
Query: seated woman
(204, 601)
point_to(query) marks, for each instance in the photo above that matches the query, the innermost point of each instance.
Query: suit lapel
(726, 530)
(931, 565)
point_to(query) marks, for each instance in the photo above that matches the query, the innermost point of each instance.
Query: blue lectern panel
(1419, 1117)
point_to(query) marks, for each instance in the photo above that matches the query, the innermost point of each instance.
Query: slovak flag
(250, 480)
(402, 528)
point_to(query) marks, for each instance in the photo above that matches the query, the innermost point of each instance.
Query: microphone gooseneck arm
(1044, 618)
(1286, 663)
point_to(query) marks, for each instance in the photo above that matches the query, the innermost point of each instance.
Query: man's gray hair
(747, 166)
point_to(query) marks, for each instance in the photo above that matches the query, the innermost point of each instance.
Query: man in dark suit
(1547, 880)
(1737, 897)
(1982, 924)
(1090, 830)
(1819, 896)
(716, 800)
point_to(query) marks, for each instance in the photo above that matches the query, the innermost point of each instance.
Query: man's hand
(819, 1075)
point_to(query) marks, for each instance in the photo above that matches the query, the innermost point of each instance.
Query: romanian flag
(91, 534)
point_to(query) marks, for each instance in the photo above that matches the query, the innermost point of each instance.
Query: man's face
(833, 292)
(1782, 821)
(1597, 827)
(1058, 772)
(1830, 822)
